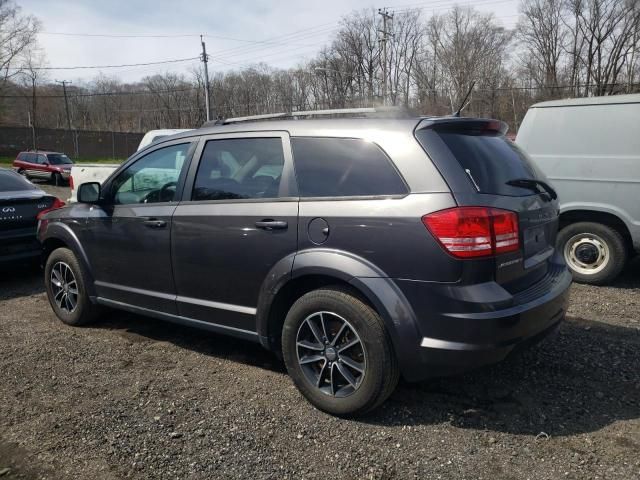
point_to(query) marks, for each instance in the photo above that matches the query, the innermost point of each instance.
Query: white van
(153, 135)
(590, 150)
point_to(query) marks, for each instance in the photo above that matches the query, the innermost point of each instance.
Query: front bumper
(487, 325)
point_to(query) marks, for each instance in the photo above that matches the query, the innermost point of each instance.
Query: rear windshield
(58, 159)
(12, 182)
(489, 159)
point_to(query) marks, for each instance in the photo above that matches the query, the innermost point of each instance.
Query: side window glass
(42, 159)
(31, 157)
(152, 178)
(239, 168)
(343, 167)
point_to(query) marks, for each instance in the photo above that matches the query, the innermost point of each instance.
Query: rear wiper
(533, 184)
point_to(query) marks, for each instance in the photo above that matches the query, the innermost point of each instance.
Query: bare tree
(543, 35)
(17, 35)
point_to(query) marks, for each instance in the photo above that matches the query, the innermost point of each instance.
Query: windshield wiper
(533, 184)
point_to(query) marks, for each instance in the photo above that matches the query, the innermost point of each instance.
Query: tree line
(558, 49)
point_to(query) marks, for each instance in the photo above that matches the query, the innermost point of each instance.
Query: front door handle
(269, 224)
(154, 223)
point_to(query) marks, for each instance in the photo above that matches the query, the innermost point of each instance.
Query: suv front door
(127, 237)
(238, 218)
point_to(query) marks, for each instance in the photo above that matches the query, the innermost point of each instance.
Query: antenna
(464, 102)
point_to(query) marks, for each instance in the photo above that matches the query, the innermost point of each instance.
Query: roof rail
(308, 113)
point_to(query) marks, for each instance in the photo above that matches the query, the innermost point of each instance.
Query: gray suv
(359, 249)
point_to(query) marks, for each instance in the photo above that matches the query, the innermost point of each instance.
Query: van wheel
(338, 352)
(65, 283)
(595, 253)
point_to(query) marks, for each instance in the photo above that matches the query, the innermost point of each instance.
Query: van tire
(381, 373)
(593, 237)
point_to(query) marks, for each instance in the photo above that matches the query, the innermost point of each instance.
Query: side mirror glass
(89, 192)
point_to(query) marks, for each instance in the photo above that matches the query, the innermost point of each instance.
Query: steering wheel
(160, 194)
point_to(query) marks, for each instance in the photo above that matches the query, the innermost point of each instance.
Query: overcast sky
(281, 33)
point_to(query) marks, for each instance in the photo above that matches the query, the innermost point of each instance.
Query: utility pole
(386, 18)
(66, 106)
(205, 59)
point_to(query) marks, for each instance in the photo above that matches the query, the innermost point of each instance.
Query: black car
(359, 249)
(21, 203)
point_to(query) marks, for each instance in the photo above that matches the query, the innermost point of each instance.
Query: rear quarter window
(344, 167)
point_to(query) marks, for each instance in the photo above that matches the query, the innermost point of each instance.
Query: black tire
(56, 178)
(595, 239)
(84, 312)
(23, 172)
(381, 372)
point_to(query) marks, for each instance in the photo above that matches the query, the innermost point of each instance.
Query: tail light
(57, 203)
(71, 182)
(469, 232)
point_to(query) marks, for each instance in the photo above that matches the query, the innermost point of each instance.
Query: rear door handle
(272, 224)
(154, 223)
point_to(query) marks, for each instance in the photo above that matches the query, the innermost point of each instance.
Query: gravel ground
(136, 398)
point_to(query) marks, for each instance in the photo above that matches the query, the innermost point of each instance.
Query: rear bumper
(465, 327)
(19, 248)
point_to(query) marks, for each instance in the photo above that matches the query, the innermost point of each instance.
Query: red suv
(52, 166)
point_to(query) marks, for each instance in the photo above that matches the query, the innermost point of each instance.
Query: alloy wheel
(331, 354)
(64, 287)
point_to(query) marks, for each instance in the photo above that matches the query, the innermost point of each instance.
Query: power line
(177, 60)
(104, 94)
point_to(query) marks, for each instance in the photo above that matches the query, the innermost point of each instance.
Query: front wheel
(595, 253)
(65, 284)
(338, 352)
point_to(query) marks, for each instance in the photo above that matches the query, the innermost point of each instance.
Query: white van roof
(574, 102)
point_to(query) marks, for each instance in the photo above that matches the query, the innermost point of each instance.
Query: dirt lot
(135, 398)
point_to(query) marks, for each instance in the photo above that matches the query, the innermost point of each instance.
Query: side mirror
(89, 192)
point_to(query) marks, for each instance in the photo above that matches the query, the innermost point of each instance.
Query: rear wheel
(338, 352)
(595, 253)
(65, 283)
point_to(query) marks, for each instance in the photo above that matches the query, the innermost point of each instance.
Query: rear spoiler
(478, 125)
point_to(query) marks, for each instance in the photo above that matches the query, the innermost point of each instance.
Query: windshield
(59, 159)
(12, 182)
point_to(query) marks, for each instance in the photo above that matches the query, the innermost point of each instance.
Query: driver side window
(151, 179)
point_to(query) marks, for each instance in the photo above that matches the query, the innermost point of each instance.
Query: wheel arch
(58, 235)
(315, 269)
(605, 217)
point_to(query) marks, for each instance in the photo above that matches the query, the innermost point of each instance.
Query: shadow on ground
(580, 380)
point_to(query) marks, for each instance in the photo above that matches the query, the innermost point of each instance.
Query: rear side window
(239, 168)
(489, 159)
(12, 182)
(344, 167)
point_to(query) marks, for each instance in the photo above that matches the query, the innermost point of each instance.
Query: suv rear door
(237, 219)
(482, 168)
